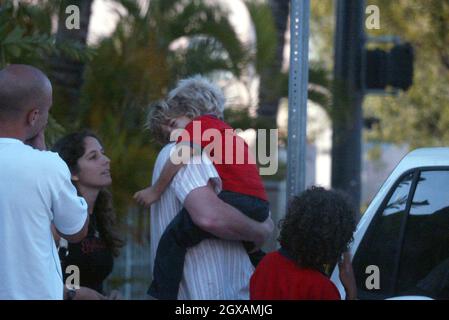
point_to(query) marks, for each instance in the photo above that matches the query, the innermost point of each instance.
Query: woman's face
(94, 170)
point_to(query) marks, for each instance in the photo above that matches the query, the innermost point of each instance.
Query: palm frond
(265, 29)
(196, 18)
(203, 55)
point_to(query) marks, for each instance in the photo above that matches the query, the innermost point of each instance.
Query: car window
(424, 264)
(379, 248)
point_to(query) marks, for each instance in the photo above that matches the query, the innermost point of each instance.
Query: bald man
(35, 190)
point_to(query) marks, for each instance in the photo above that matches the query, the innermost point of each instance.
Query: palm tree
(25, 37)
(270, 21)
(147, 53)
(67, 70)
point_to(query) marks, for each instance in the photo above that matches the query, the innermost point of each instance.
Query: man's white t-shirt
(35, 190)
(214, 269)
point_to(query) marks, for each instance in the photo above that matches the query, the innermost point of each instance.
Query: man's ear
(33, 116)
(75, 178)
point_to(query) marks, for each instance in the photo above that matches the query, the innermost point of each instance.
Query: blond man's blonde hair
(196, 96)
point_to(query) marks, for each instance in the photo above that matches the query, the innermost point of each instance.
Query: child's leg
(179, 235)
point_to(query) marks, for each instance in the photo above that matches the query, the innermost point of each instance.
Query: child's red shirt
(231, 157)
(280, 278)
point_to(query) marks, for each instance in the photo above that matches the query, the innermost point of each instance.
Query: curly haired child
(314, 234)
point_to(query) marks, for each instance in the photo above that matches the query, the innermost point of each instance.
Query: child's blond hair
(158, 117)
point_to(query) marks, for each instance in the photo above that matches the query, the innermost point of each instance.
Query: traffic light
(393, 68)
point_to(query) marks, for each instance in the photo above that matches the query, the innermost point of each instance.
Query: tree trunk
(269, 90)
(67, 73)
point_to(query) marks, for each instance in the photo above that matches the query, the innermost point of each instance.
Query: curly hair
(196, 96)
(318, 227)
(192, 97)
(71, 148)
(158, 116)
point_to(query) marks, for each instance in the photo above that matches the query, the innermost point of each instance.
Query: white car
(401, 244)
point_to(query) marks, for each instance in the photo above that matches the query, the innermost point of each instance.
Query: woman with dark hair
(315, 234)
(94, 255)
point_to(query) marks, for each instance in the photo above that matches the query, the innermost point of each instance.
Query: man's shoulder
(49, 157)
(45, 160)
(165, 152)
(167, 148)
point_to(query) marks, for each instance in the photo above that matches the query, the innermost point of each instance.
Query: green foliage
(266, 35)
(265, 29)
(213, 42)
(19, 36)
(54, 131)
(419, 117)
(25, 35)
(138, 64)
(322, 23)
(202, 55)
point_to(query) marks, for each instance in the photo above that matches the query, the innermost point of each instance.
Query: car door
(406, 245)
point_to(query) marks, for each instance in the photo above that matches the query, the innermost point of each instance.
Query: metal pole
(348, 95)
(297, 96)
